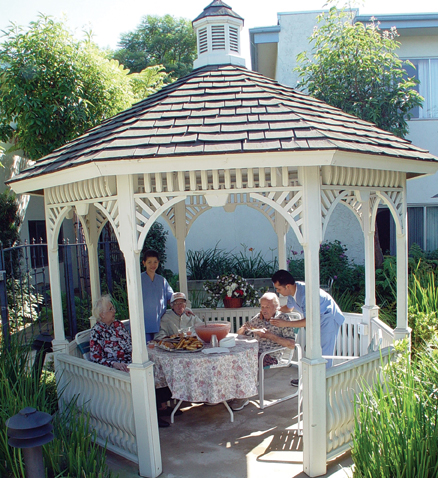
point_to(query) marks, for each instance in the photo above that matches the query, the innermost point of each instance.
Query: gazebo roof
(225, 109)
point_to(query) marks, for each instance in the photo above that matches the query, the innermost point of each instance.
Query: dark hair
(283, 278)
(150, 253)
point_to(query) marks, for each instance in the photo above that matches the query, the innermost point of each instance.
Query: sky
(108, 19)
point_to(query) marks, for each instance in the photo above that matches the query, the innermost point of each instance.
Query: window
(422, 228)
(426, 72)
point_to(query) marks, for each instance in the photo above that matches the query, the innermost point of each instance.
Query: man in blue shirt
(156, 293)
(331, 316)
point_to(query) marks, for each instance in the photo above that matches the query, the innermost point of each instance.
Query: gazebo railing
(343, 382)
(237, 317)
(387, 333)
(106, 394)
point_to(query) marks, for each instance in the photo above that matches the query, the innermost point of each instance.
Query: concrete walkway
(203, 443)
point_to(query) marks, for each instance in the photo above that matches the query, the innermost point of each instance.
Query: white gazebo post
(402, 331)
(141, 369)
(281, 228)
(181, 233)
(88, 211)
(369, 309)
(60, 344)
(314, 383)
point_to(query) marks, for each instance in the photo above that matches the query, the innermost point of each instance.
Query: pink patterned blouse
(110, 343)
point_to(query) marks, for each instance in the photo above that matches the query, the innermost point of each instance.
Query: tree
(53, 87)
(355, 68)
(166, 41)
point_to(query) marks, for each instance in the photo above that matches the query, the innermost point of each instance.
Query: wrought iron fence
(25, 286)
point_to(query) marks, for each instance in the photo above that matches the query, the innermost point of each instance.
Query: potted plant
(233, 290)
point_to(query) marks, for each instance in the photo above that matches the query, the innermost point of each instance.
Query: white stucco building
(273, 53)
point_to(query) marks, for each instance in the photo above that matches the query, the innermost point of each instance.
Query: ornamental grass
(396, 422)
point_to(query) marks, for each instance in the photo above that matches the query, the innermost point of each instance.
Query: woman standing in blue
(156, 293)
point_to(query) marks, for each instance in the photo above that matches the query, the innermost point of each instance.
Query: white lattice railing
(342, 383)
(237, 317)
(387, 333)
(106, 394)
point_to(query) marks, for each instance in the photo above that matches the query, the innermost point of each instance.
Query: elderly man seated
(268, 335)
(178, 319)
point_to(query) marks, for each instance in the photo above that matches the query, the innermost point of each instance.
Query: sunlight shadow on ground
(286, 446)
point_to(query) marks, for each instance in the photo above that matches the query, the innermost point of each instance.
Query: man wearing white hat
(178, 319)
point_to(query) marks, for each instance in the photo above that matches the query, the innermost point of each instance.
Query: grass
(396, 423)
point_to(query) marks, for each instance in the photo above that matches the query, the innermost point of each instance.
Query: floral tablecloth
(213, 378)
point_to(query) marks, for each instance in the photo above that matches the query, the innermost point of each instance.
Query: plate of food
(180, 344)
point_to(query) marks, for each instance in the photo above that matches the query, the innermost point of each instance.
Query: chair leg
(261, 382)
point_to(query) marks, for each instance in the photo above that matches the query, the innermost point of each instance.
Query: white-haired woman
(110, 342)
(110, 345)
(268, 335)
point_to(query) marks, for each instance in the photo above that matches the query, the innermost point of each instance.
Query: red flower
(239, 292)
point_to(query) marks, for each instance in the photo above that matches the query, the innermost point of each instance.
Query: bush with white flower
(232, 286)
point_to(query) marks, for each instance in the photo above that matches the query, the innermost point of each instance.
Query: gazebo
(219, 137)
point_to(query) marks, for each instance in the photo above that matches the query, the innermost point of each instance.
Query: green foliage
(345, 279)
(208, 264)
(396, 422)
(354, 67)
(252, 264)
(335, 265)
(9, 219)
(166, 41)
(213, 262)
(19, 388)
(24, 302)
(72, 453)
(148, 81)
(349, 301)
(53, 87)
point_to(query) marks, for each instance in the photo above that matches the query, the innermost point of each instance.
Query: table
(211, 378)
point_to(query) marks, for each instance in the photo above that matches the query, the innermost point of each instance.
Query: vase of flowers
(233, 290)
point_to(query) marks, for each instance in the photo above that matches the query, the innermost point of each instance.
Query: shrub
(396, 422)
(208, 264)
(73, 451)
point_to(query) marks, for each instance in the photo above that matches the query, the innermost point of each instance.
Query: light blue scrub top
(331, 316)
(156, 294)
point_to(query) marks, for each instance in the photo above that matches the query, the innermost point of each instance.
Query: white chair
(83, 342)
(286, 361)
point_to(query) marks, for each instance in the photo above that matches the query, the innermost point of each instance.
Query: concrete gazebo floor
(204, 443)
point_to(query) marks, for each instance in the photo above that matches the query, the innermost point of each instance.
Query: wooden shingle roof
(217, 8)
(225, 109)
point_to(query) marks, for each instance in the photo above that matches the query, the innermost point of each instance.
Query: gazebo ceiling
(225, 109)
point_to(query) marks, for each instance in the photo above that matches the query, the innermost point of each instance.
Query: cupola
(217, 31)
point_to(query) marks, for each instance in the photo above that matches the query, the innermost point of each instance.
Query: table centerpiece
(233, 290)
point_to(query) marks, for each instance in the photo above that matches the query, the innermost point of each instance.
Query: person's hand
(121, 366)
(281, 323)
(262, 333)
(188, 312)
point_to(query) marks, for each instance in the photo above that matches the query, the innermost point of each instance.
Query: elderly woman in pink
(110, 345)
(110, 342)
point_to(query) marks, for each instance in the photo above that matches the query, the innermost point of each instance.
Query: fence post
(70, 290)
(3, 297)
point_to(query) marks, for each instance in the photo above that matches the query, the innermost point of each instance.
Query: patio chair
(285, 361)
(83, 342)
